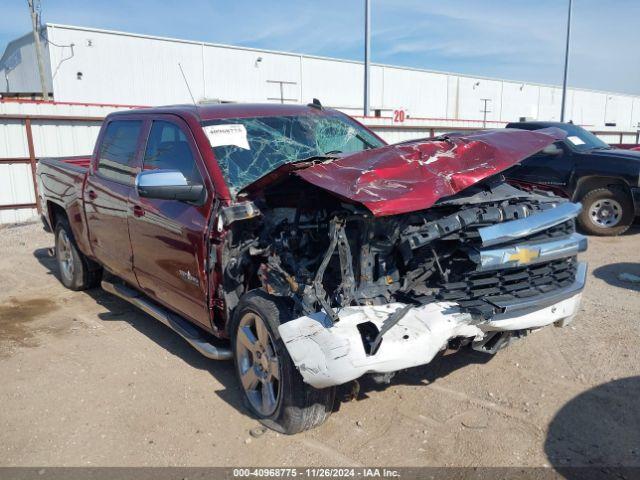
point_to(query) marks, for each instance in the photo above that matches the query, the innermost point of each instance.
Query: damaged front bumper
(328, 354)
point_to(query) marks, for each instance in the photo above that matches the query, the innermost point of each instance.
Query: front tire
(272, 386)
(606, 211)
(77, 272)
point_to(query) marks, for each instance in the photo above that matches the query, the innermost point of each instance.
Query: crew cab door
(552, 169)
(106, 194)
(168, 237)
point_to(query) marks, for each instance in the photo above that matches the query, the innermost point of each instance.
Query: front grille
(563, 229)
(475, 291)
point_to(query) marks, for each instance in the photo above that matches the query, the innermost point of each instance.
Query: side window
(118, 150)
(168, 149)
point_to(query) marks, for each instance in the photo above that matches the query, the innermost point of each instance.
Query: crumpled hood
(413, 176)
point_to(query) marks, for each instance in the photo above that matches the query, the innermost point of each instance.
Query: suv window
(168, 149)
(118, 150)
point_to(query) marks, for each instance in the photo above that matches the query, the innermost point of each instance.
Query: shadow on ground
(599, 428)
(119, 310)
(620, 275)
(439, 367)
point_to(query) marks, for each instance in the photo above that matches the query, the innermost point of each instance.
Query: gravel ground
(87, 380)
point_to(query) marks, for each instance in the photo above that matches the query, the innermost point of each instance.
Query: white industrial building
(94, 72)
(109, 67)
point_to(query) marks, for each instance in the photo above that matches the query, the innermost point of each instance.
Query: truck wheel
(273, 388)
(606, 211)
(77, 272)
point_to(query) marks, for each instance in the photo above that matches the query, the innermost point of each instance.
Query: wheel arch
(593, 182)
(54, 212)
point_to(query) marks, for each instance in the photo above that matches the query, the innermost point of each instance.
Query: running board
(182, 327)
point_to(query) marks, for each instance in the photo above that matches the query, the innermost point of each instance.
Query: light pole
(566, 64)
(367, 46)
(35, 21)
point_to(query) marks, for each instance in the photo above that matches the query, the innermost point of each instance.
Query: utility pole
(367, 47)
(34, 9)
(566, 64)
(485, 110)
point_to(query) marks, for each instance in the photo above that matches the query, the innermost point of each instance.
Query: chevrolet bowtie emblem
(524, 255)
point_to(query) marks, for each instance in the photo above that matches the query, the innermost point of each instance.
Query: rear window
(118, 150)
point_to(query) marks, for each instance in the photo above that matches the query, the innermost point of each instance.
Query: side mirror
(552, 149)
(167, 185)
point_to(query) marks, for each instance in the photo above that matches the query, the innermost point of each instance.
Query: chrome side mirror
(167, 185)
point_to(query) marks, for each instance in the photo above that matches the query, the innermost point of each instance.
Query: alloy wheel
(65, 255)
(258, 364)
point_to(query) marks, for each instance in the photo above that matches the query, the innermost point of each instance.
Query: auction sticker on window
(575, 140)
(227, 135)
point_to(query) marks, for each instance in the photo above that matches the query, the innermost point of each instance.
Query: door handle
(92, 195)
(138, 211)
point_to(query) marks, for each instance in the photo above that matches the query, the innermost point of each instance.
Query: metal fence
(25, 137)
(33, 129)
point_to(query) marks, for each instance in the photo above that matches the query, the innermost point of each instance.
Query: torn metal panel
(328, 355)
(336, 355)
(413, 176)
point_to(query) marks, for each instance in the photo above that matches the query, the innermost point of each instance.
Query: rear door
(106, 194)
(168, 236)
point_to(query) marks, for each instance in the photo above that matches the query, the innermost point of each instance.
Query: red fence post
(32, 159)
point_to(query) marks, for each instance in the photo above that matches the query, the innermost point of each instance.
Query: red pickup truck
(294, 240)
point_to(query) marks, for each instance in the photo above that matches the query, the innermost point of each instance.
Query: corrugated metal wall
(62, 137)
(135, 69)
(50, 138)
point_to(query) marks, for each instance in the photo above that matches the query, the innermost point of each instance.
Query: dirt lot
(88, 380)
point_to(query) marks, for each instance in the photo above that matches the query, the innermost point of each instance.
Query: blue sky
(514, 39)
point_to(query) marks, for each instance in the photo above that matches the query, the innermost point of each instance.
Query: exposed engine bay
(324, 254)
(299, 242)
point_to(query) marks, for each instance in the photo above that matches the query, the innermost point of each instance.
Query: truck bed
(60, 181)
(82, 162)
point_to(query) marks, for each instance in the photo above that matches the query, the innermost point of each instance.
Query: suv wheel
(77, 272)
(606, 211)
(272, 386)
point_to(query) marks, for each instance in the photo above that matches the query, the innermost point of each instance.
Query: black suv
(584, 168)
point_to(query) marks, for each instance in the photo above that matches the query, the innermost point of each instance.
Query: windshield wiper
(326, 156)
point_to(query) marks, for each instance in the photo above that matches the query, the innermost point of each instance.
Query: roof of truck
(231, 110)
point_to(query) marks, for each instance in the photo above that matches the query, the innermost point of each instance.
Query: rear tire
(77, 272)
(606, 211)
(273, 388)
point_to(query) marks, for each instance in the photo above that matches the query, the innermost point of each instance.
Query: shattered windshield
(249, 148)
